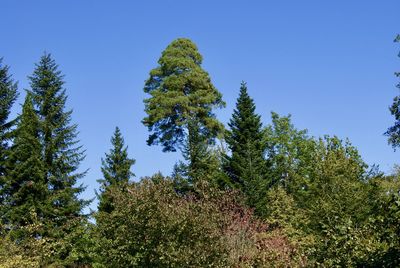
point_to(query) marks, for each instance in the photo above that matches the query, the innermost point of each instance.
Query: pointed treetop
(245, 124)
(116, 166)
(26, 188)
(246, 165)
(116, 169)
(8, 95)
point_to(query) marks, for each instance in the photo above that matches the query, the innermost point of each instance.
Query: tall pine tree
(246, 165)
(116, 169)
(61, 154)
(8, 95)
(182, 99)
(26, 189)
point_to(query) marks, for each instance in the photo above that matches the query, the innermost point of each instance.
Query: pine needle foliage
(181, 93)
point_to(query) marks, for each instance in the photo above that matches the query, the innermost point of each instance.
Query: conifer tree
(116, 169)
(206, 167)
(394, 131)
(246, 165)
(61, 154)
(26, 189)
(8, 95)
(182, 99)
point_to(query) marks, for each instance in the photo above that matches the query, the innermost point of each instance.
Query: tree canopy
(181, 97)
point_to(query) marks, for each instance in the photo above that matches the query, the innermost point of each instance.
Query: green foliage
(41, 176)
(71, 250)
(42, 217)
(116, 169)
(202, 162)
(151, 226)
(8, 95)
(30, 252)
(316, 203)
(337, 206)
(289, 161)
(246, 166)
(181, 93)
(25, 187)
(393, 132)
(289, 153)
(61, 155)
(385, 194)
(180, 108)
(154, 226)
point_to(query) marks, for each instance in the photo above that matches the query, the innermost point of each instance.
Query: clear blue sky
(328, 63)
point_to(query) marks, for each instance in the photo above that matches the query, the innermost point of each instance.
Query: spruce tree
(61, 154)
(116, 169)
(246, 165)
(205, 167)
(8, 95)
(26, 189)
(182, 99)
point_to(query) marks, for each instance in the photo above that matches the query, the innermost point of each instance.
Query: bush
(154, 226)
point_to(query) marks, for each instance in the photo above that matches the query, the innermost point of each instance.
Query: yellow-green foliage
(36, 250)
(153, 226)
(31, 252)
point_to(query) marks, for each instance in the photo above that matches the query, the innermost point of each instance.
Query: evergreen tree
(8, 95)
(190, 175)
(116, 169)
(182, 99)
(26, 188)
(246, 165)
(394, 131)
(61, 154)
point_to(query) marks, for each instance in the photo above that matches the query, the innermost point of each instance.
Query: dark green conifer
(202, 161)
(246, 165)
(61, 154)
(116, 169)
(26, 189)
(8, 95)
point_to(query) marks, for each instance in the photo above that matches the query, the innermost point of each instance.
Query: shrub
(154, 226)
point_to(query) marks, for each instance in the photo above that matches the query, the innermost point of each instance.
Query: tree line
(245, 195)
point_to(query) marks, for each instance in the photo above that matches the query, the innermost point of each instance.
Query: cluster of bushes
(265, 196)
(154, 226)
